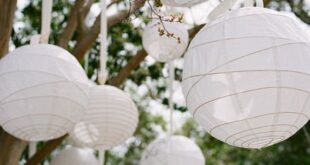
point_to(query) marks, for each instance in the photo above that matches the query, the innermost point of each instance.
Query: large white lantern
(75, 156)
(246, 77)
(110, 119)
(43, 92)
(161, 47)
(172, 150)
(181, 3)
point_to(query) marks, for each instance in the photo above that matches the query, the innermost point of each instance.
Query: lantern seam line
(29, 87)
(249, 141)
(27, 134)
(240, 71)
(40, 54)
(228, 62)
(285, 71)
(266, 126)
(212, 129)
(244, 37)
(240, 138)
(46, 96)
(246, 91)
(21, 131)
(246, 55)
(303, 108)
(75, 83)
(41, 114)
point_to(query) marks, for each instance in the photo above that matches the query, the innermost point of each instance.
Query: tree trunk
(7, 11)
(11, 148)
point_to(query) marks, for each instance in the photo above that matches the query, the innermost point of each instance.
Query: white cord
(248, 3)
(103, 44)
(102, 76)
(171, 79)
(259, 3)
(101, 157)
(46, 20)
(306, 134)
(43, 38)
(32, 149)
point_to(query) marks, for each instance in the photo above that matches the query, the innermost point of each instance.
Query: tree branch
(86, 41)
(298, 10)
(135, 61)
(7, 11)
(48, 148)
(72, 22)
(131, 65)
(10, 148)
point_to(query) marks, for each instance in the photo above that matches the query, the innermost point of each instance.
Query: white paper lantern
(75, 156)
(163, 48)
(111, 118)
(182, 3)
(174, 150)
(43, 92)
(246, 77)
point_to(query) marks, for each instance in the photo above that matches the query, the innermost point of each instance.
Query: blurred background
(146, 80)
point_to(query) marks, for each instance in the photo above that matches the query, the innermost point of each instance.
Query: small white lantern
(75, 156)
(111, 118)
(43, 92)
(246, 77)
(182, 3)
(172, 150)
(164, 48)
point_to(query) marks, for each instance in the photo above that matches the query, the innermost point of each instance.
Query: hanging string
(32, 149)
(46, 20)
(86, 62)
(103, 74)
(102, 77)
(306, 134)
(170, 86)
(42, 38)
(259, 3)
(248, 3)
(101, 157)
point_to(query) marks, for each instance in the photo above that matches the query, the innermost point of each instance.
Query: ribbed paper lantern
(75, 156)
(111, 118)
(174, 150)
(246, 77)
(163, 48)
(181, 3)
(43, 92)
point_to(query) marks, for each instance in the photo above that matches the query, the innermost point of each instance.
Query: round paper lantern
(75, 156)
(174, 150)
(161, 47)
(43, 92)
(181, 3)
(111, 118)
(246, 77)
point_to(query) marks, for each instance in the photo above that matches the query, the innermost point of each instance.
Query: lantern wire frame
(258, 3)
